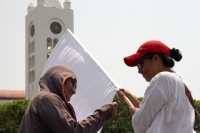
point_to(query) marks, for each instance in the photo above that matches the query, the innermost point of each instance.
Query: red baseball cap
(152, 46)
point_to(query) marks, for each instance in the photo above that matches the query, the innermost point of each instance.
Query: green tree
(197, 123)
(11, 114)
(122, 122)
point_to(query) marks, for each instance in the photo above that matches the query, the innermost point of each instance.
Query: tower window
(33, 75)
(55, 41)
(48, 54)
(29, 62)
(29, 48)
(33, 47)
(33, 60)
(32, 78)
(32, 31)
(29, 77)
(49, 43)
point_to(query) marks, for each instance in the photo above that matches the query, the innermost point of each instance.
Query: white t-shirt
(165, 107)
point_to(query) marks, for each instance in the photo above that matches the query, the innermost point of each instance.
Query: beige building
(10, 95)
(45, 25)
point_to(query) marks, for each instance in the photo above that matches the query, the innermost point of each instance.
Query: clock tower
(45, 25)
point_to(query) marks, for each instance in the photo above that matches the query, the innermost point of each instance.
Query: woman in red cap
(165, 108)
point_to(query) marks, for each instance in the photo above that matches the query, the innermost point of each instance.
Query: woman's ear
(156, 59)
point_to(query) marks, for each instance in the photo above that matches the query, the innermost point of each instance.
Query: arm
(54, 115)
(152, 103)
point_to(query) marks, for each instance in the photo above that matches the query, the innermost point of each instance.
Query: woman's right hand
(123, 92)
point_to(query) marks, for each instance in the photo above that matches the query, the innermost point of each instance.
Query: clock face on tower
(55, 27)
(32, 31)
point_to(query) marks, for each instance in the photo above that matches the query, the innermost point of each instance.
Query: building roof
(12, 94)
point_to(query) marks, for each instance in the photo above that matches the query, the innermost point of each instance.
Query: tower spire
(67, 4)
(30, 7)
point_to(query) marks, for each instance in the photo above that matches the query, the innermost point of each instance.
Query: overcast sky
(111, 30)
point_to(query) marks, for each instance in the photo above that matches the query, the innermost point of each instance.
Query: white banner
(95, 88)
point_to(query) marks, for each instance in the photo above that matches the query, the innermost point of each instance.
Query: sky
(111, 30)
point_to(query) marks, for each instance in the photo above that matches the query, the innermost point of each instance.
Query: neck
(167, 69)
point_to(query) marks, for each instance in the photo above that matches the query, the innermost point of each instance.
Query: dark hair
(168, 61)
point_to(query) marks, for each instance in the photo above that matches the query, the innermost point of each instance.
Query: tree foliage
(11, 114)
(121, 123)
(197, 123)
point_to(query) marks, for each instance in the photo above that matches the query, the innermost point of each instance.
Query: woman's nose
(73, 91)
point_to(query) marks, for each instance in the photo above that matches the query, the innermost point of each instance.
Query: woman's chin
(148, 80)
(145, 78)
(68, 99)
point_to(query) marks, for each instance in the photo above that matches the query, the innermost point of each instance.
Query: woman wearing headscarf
(49, 111)
(165, 108)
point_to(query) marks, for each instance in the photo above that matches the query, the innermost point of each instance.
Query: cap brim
(131, 60)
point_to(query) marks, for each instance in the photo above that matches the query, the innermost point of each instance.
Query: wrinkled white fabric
(165, 107)
(95, 88)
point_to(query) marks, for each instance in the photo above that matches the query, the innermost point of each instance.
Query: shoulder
(40, 102)
(158, 83)
(168, 81)
(165, 80)
(165, 76)
(46, 101)
(45, 98)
